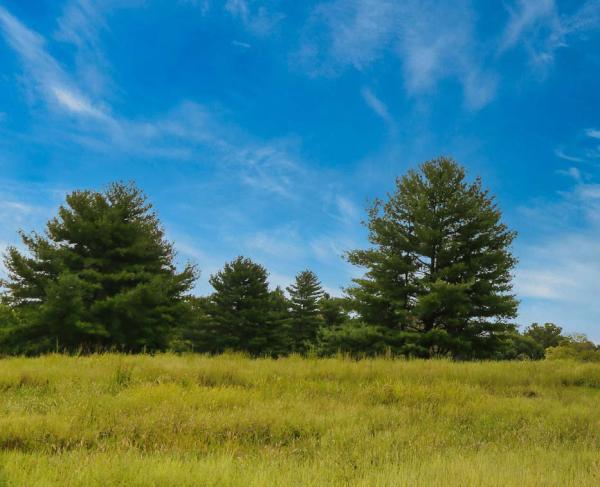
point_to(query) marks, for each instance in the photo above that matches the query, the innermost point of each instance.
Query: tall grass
(193, 420)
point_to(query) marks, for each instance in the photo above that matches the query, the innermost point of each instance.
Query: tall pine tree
(305, 314)
(241, 313)
(440, 264)
(102, 276)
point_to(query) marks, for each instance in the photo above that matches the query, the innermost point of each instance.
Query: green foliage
(8, 323)
(514, 346)
(305, 317)
(190, 334)
(437, 284)
(241, 314)
(574, 347)
(353, 338)
(333, 310)
(102, 276)
(279, 317)
(358, 339)
(547, 335)
(440, 261)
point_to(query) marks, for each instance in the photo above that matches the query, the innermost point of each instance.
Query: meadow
(191, 420)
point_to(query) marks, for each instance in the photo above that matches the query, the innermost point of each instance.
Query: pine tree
(102, 276)
(333, 311)
(440, 263)
(240, 311)
(279, 317)
(305, 317)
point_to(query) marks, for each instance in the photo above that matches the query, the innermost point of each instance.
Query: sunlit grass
(193, 420)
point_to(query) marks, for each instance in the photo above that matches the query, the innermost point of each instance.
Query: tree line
(437, 282)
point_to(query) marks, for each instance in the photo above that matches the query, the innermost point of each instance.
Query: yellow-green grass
(198, 421)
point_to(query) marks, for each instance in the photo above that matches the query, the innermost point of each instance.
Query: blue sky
(263, 127)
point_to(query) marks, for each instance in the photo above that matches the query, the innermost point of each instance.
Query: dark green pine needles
(305, 313)
(242, 314)
(440, 265)
(102, 276)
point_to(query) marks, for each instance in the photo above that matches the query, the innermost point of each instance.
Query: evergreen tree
(190, 334)
(279, 317)
(101, 276)
(440, 261)
(239, 314)
(8, 323)
(305, 316)
(333, 311)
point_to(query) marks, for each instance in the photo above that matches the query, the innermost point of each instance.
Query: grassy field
(192, 420)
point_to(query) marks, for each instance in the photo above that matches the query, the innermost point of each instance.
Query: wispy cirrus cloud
(192, 133)
(377, 105)
(45, 77)
(80, 24)
(436, 41)
(432, 41)
(585, 150)
(23, 207)
(594, 133)
(542, 28)
(283, 243)
(561, 154)
(528, 15)
(259, 18)
(188, 132)
(558, 276)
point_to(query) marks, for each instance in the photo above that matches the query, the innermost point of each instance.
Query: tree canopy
(101, 276)
(241, 314)
(437, 282)
(440, 260)
(305, 314)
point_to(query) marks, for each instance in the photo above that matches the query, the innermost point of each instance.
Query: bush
(353, 338)
(575, 347)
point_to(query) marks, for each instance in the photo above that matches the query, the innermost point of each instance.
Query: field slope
(192, 420)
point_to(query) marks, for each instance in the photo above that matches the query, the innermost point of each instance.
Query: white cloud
(566, 269)
(81, 24)
(433, 41)
(238, 8)
(75, 102)
(573, 172)
(282, 243)
(22, 207)
(525, 15)
(560, 153)
(189, 132)
(271, 167)
(542, 284)
(260, 20)
(243, 45)
(541, 28)
(585, 19)
(559, 279)
(560, 266)
(44, 74)
(14, 213)
(593, 133)
(376, 105)
(348, 211)
(330, 248)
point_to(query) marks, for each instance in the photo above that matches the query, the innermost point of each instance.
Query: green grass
(196, 421)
